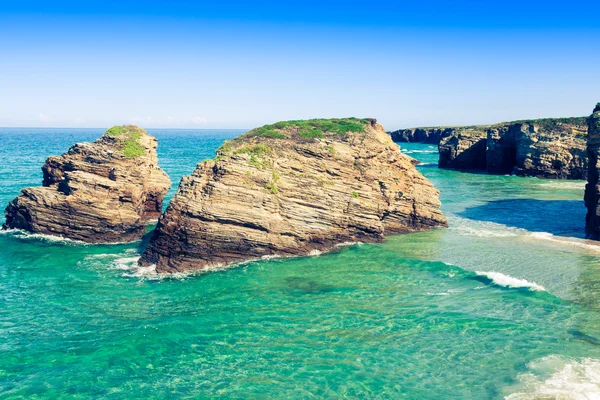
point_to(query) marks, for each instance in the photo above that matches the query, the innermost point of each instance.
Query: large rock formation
(423, 135)
(464, 149)
(546, 148)
(592, 189)
(290, 189)
(551, 148)
(98, 192)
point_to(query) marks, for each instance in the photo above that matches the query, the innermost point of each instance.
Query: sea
(503, 304)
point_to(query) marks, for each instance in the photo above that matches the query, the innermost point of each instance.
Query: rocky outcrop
(465, 149)
(545, 148)
(98, 192)
(422, 135)
(592, 188)
(550, 148)
(291, 189)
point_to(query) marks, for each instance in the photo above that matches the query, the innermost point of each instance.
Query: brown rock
(97, 192)
(592, 188)
(290, 189)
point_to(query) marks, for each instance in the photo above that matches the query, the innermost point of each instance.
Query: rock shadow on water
(558, 217)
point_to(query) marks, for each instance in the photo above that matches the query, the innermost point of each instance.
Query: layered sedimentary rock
(290, 189)
(98, 192)
(422, 135)
(464, 149)
(546, 148)
(592, 188)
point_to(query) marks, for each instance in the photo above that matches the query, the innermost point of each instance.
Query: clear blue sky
(230, 64)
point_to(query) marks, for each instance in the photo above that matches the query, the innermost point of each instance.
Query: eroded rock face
(547, 148)
(98, 192)
(290, 189)
(552, 149)
(422, 135)
(592, 188)
(465, 149)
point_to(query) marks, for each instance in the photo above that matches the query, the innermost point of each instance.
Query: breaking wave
(501, 279)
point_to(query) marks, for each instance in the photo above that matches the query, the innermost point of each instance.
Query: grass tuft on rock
(129, 137)
(310, 128)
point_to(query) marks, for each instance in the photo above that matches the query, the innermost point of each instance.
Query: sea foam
(501, 279)
(556, 377)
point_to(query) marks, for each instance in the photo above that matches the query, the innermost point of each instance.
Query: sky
(233, 64)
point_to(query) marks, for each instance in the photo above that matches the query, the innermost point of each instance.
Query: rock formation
(422, 135)
(546, 148)
(290, 189)
(98, 192)
(592, 188)
(465, 149)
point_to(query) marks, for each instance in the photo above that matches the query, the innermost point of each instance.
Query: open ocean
(503, 303)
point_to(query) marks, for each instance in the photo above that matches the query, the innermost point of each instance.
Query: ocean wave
(501, 279)
(557, 377)
(22, 234)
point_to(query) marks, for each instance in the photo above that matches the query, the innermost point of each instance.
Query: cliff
(290, 189)
(423, 135)
(592, 188)
(546, 148)
(98, 192)
(464, 149)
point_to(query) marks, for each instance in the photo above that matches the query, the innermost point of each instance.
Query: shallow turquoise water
(504, 302)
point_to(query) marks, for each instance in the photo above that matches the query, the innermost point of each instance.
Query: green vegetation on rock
(129, 136)
(310, 128)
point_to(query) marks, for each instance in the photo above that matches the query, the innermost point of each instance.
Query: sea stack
(293, 188)
(100, 192)
(592, 188)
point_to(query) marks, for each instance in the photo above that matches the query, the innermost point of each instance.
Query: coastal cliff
(98, 192)
(432, 135)
(592, 188)
(553, 148)
(290, 189)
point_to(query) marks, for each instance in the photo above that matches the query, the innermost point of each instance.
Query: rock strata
(100, 192)
(592, 189)
(289, 189)
(545, 148)
(465, 149)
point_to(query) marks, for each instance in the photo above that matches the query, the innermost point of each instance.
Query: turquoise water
(503, 303)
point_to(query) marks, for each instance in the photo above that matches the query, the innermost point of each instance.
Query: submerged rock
(592, 188)
(98, 192)
(293, 188)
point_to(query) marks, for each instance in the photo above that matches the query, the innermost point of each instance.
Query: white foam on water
(270, 256)
(557, 377)
(419, 151)
(508, 281)
(567, 241)
(348, 244)
(315, 253)
(425, 163)
(22, 234)
(563, 185)
(468, 227)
